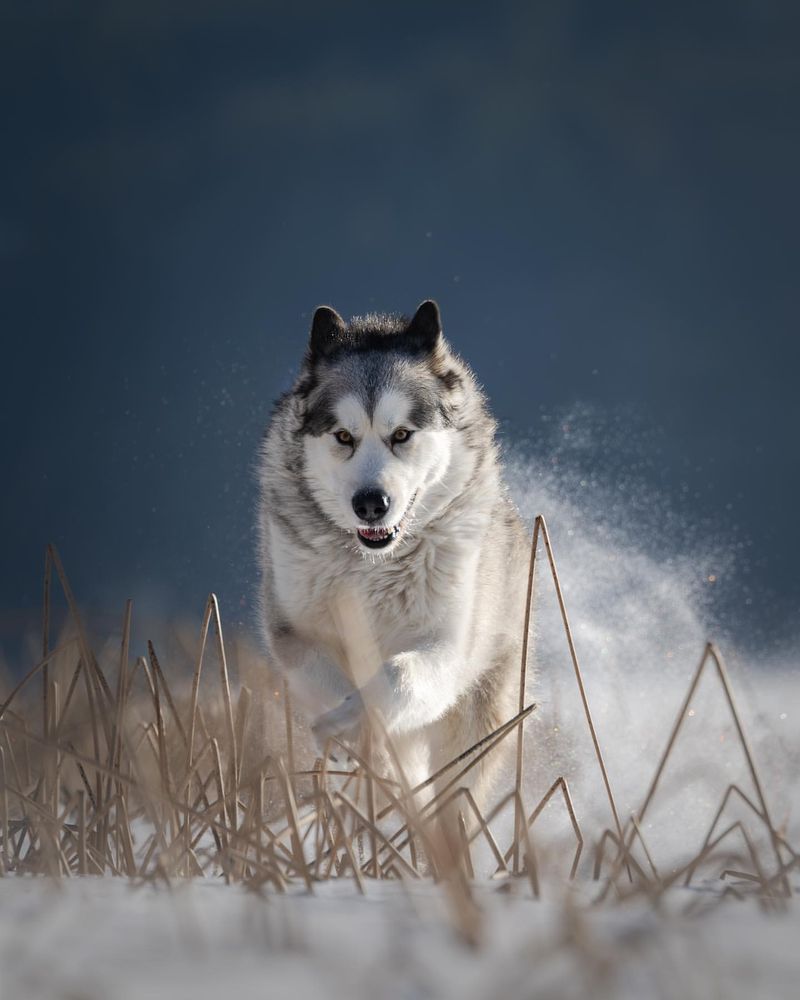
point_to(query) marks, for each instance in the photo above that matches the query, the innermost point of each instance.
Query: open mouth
(378, 538)
(381, 536)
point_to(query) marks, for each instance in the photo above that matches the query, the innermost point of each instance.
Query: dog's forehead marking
(392, 408)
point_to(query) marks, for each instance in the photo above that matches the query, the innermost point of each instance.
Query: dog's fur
(436, 612)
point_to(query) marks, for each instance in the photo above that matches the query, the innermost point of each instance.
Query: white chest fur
(401, 602)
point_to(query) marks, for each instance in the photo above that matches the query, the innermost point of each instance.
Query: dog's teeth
(375, 533)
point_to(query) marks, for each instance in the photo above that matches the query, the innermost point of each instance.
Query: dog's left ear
(425, 329)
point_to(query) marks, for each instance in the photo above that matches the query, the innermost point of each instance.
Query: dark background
(603, 198)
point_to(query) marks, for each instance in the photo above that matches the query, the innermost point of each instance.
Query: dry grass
(131, 775)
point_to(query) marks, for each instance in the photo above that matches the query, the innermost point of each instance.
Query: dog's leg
(418, 687)
(410, 691)
(490, 702)
(315, 681)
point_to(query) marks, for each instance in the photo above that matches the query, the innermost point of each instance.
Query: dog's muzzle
(381, 536)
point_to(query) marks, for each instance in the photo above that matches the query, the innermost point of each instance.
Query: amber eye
(400, 435)
(344, 437)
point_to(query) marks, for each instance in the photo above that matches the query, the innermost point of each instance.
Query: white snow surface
(102, 939)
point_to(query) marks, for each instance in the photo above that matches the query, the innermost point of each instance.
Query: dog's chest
(397, 600)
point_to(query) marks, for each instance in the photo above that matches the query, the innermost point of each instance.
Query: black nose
(370, 505)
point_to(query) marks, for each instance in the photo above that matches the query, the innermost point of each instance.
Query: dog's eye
(344, 437)
(400, 435)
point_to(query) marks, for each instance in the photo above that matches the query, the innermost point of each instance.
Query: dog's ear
(327, 331)
(425, 329)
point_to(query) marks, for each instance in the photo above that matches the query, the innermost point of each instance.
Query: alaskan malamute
(394, 564)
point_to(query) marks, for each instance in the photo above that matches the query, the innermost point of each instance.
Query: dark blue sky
(602, 197)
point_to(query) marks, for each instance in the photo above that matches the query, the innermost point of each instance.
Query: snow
(101, 938)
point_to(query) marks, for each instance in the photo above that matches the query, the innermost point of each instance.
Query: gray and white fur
(384, 522)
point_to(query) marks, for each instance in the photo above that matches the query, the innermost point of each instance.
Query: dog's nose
(370, 505)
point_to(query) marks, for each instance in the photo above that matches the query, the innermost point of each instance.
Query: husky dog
(384, 525)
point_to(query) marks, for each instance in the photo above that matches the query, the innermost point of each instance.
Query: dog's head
(380, 405)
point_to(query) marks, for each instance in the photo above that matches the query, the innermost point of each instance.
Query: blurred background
(602, 197)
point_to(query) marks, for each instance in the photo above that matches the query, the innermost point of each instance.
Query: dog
(393, 563)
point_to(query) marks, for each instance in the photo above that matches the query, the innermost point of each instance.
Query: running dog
(393, 562)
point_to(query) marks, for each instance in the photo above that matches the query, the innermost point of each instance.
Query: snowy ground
(98, 939)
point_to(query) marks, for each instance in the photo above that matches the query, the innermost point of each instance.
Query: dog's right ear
(424, 331)
(327, 332)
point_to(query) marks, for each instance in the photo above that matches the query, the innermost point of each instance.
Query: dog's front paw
(343, 721)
